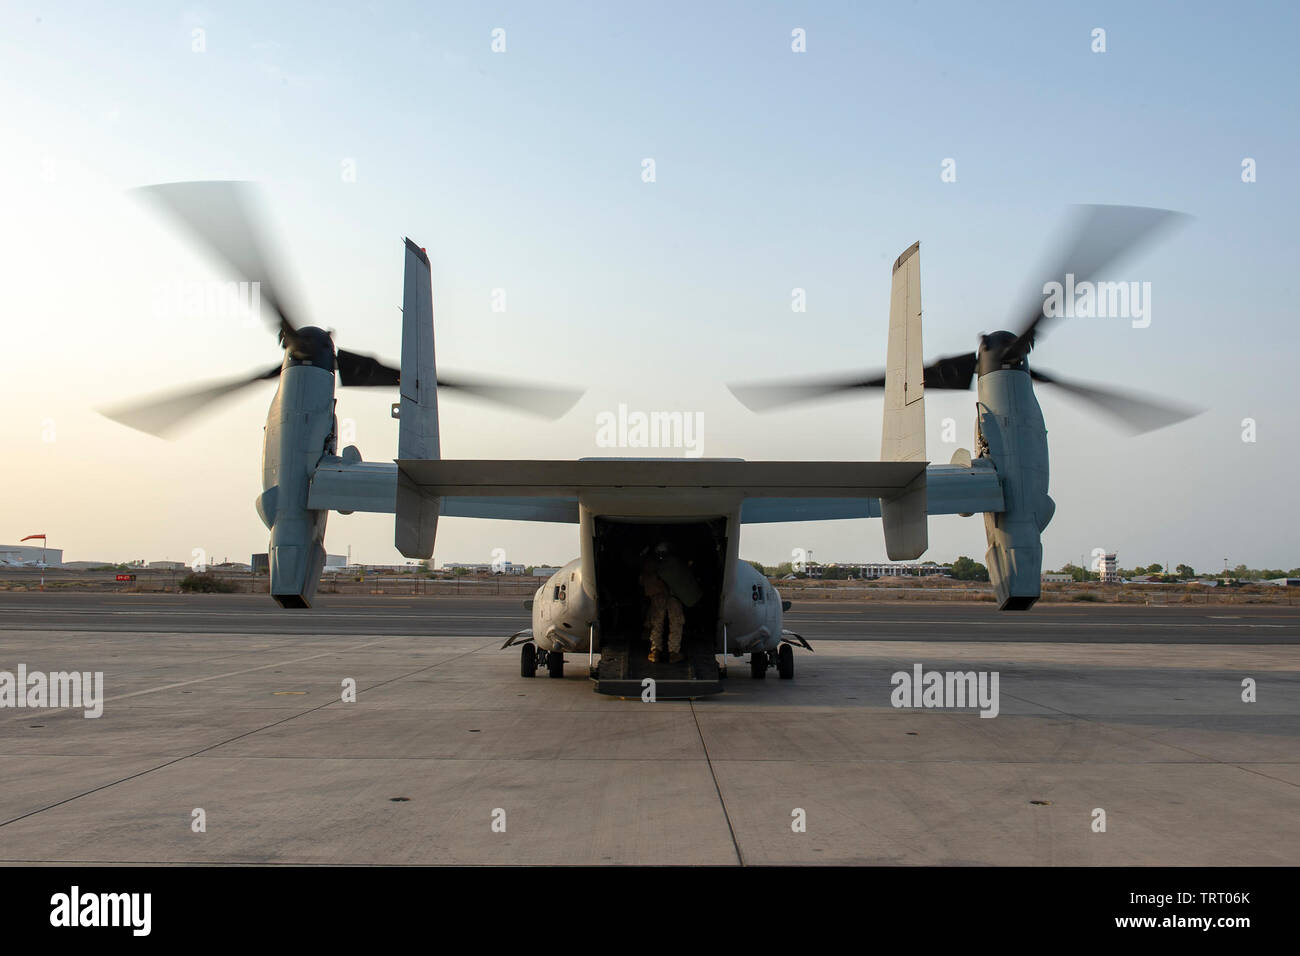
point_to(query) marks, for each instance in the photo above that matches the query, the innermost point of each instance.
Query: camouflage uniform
(662, 604)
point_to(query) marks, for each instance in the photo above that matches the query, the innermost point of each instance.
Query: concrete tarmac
(454, 615)
(228, 705)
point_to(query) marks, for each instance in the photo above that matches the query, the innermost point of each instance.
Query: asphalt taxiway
(226, 704)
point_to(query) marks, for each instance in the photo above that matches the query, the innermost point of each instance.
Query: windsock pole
(43, 543)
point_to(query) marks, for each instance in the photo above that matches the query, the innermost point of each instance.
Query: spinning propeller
(221, 217)
(1100, 236)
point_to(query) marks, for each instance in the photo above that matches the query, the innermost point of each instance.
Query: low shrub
(205, 583)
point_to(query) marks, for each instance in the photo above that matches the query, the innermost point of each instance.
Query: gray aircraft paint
(565, 612)
(300, 430)
(1014, 438)
(299, 454)
(415, 524)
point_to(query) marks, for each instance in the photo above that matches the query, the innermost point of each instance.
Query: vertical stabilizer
(416, 521)
(903, 437)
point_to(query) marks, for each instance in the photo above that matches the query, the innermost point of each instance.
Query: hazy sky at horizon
(774, 170)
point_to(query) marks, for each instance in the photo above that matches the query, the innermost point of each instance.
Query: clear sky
(522, 170)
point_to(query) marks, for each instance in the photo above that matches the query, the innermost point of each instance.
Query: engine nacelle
(564, 611)
(752, 612)
(1011, 433)
(300, 428)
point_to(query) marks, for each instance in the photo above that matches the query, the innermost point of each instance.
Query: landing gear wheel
(555, 663)
(758, 665)
(527, 660)
(785, 662)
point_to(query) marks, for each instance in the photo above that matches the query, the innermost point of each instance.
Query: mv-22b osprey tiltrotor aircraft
(628, 508)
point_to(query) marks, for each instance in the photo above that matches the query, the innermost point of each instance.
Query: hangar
(20, 554)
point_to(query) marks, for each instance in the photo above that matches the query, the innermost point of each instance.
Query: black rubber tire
(555, 663)
(758, 665)
(527, 660)
(785, 662)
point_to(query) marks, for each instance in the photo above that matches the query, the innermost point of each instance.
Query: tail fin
(415, 525)
(903, 437)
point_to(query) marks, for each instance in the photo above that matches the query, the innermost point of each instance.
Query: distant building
(1108, 568)
(495, 567)
(890, 570)
(1283, 582)
(1055, 577)
(166, 565)
(543, 572)
(24, 554)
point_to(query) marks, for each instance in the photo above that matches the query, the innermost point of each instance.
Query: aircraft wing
(748, 479)
(561, 510)
(548, 490)
(957, 489)
(772, 510)
(343, 486)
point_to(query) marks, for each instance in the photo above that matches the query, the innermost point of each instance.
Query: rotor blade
(949, 372)
(222, 217)
(163, 414)
(765, 396)
(541, 400)
(1098, 237)
(952, 371)
(1137, 413)
(364, 370)
(356, 369)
